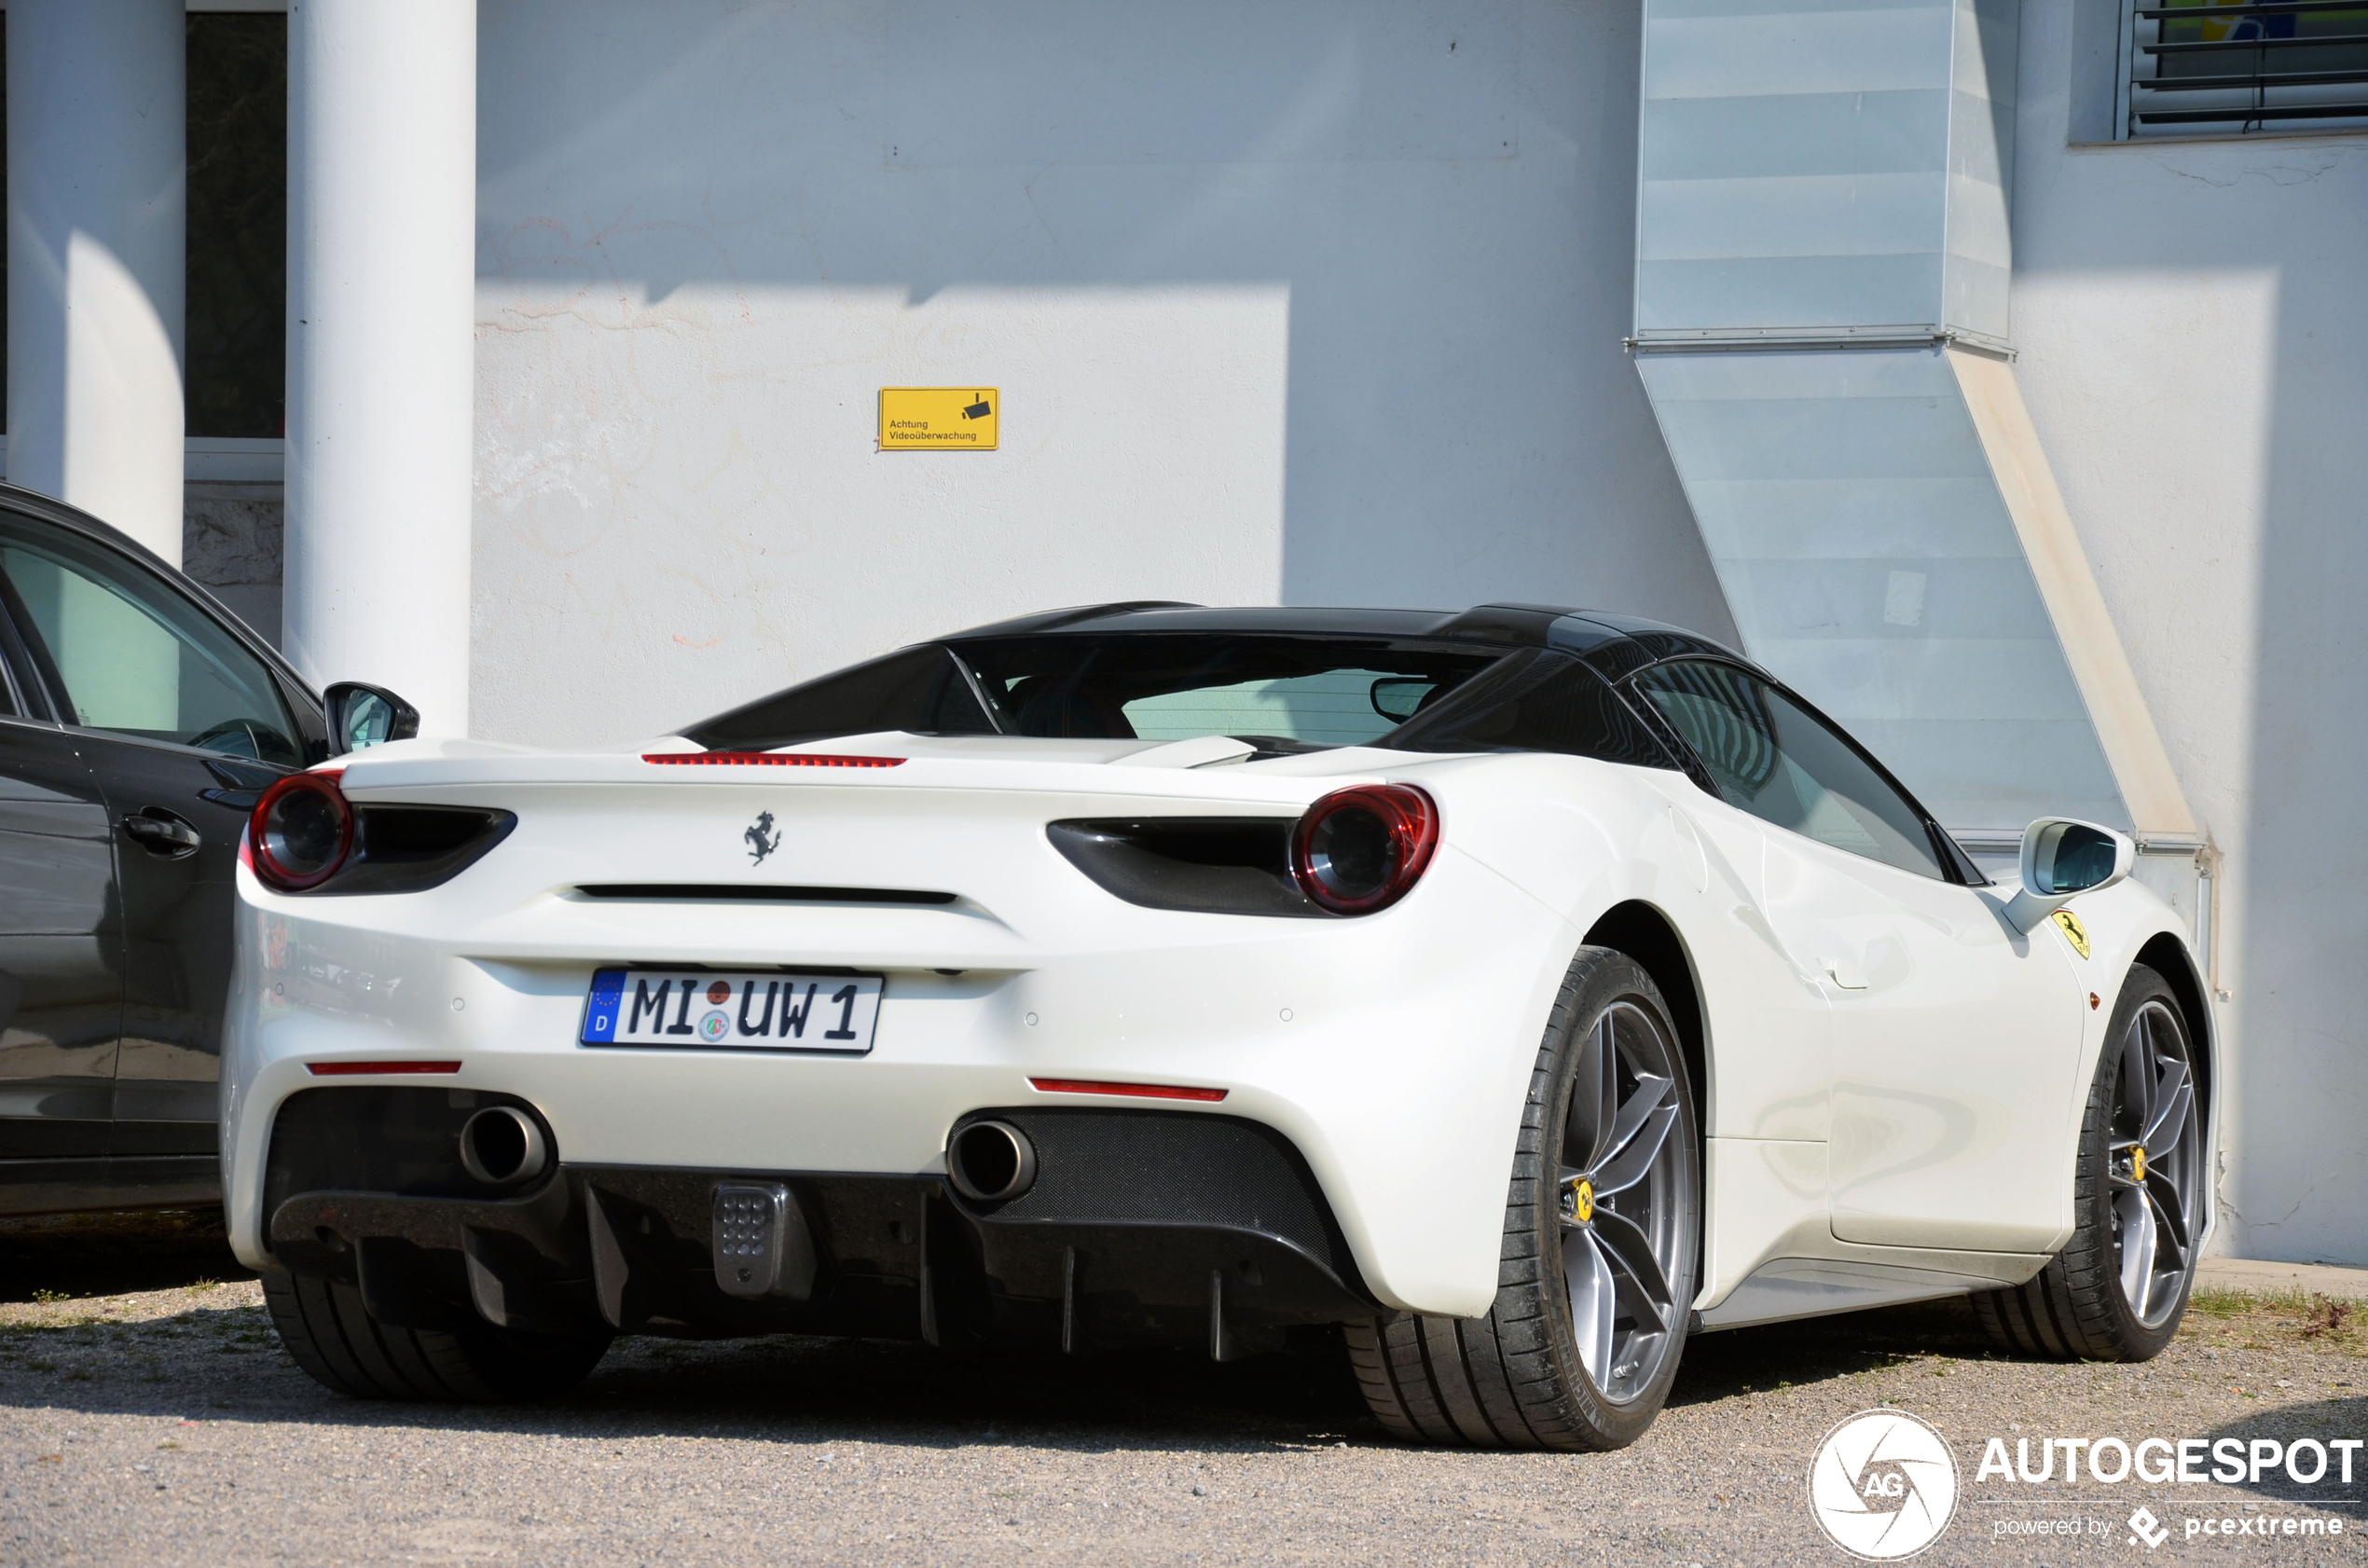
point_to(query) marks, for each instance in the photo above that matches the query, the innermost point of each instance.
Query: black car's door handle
(161, 833)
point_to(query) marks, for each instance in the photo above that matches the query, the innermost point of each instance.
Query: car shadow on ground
(112, 1254)
(1810, 1351)
(228, 1365)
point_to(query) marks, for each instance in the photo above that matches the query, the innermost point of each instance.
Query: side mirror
(1397, 697)
(361, 716)
(2062, 857)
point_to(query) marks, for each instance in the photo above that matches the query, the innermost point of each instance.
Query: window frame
(2132, 37)
(1957, 867)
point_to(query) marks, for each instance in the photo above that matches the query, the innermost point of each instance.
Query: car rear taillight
(301, 831)
(1360, 849)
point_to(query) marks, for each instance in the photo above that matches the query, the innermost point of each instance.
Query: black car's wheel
(334, 1338)
(2118, 1289)
(1602, 1237)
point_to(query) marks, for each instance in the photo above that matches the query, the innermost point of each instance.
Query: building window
(2258, 65)
(234, 365)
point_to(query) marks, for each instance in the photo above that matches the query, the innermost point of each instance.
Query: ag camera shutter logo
(1883, 1485)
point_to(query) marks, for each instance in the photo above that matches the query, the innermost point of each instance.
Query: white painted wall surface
(97, 199)
(1315, 304)
(2191, 324)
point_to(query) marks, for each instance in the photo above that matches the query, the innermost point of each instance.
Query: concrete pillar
(382, 346)
(96, 202)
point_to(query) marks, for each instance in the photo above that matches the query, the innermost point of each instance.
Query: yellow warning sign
(918, 418)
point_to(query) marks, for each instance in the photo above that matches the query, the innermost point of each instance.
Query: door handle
(1845, 974)
(161, 833)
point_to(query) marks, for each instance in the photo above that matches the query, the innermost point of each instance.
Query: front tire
(2119, 1287)
(1601, 1246)
(334, 1338)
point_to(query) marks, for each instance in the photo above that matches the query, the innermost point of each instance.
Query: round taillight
(301, 831)
(1360, 849)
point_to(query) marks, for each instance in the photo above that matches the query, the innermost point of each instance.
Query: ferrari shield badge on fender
(763, 838)
(2069, 923)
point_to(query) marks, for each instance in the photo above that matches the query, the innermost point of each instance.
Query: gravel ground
(148, 1416)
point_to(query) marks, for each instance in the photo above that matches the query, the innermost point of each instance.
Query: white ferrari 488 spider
(1521, 990)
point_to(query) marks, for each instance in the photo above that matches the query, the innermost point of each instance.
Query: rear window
(1280, 692)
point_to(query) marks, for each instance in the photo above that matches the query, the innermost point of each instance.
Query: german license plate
(718, 1010)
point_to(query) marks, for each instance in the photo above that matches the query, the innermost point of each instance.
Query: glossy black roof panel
(1615, 645)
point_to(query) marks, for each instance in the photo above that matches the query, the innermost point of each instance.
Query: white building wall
(2191, 325)
(1315, 304)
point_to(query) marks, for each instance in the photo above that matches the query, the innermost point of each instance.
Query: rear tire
(334, 1338)
(2119, 1287)
(1520, 1377)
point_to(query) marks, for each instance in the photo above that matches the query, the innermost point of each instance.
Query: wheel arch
(1649, 937)
(2168, 956)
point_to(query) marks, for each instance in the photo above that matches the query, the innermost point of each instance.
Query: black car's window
(136, 657)
(1774, 760)
(1301, 692)
(1537, 702)
(918, 689)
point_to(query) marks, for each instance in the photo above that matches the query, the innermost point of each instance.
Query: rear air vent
(412, 849)
(739, 892)
(1218, 865)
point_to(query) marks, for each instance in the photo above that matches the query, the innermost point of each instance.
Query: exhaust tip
(502, 1145)
(991, 1162)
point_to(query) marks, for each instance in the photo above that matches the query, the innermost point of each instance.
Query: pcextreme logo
(1882, 1486)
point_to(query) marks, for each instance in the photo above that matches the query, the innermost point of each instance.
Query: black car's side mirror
(361, 716)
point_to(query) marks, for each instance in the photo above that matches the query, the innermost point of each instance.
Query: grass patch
(2293, 1318)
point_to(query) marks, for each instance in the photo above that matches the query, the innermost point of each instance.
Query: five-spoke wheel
(1623, 1201)
(2155, 1166)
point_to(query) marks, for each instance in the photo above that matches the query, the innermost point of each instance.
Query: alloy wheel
(2155, 1165)
(1624, 1201)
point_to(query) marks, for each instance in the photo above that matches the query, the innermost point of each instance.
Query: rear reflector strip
(765, 759)
(1141, 1090)
(348, 1069)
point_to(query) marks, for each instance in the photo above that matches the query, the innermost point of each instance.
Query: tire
(2090, 1303)
(334, 1338)
(1519, 1377)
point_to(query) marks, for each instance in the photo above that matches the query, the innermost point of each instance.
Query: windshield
(1282, 692)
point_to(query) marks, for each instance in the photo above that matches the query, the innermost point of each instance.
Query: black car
(139, 721)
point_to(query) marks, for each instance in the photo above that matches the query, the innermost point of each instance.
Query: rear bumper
(1393, 1053)
(1141, 1227)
